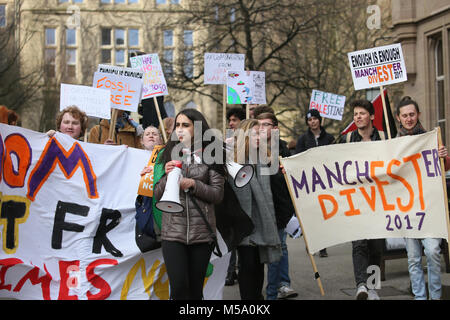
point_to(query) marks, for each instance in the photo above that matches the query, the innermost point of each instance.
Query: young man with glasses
(278, 280)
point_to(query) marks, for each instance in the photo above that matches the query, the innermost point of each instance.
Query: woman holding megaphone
(187, 193)
(263, 244)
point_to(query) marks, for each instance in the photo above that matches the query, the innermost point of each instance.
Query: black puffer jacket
(188, 226)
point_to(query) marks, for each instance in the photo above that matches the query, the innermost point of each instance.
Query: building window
(440, 87)
(168, 53)
(118, 50)
(71, 53)
(165, 1)
(168, 63)
(188, 41)
(2, 15)
(168, 38)
(50, 52)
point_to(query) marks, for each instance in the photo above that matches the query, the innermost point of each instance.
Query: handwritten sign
(377, 66)
(95, 102)
(120, 71)
(246, 87)
(125, 91)
(146, 182)
(217, 65)
(329, 105)
(369, 190)
(154, 84)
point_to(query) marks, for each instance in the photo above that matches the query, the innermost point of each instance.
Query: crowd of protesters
(187, 238)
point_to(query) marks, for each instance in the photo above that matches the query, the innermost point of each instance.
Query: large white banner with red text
(68, 226)
(369, 190)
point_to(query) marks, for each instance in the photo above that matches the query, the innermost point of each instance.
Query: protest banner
(369, 190)
(68, 216)
(154, 84)
(329, 105)
(125, 91)
(95, 102)
(246, 87)
(377, 67)
(215, 70)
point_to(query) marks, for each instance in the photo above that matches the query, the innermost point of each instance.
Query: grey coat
(256, 200)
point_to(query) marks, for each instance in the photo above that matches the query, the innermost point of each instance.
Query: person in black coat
(278, 281)
(315, 136)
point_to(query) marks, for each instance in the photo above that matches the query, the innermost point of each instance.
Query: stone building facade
(423, 29)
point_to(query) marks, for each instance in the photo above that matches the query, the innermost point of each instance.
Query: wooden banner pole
(112, 124)
(247, 111)
(311, 257)
(224, 110)
(160, 119)
(386, 119)
(444, 184)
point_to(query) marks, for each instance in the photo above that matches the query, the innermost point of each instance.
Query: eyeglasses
(266, 124)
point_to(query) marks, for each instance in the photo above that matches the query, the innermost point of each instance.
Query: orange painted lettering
(380, 184)
(348, 193)
(370, 200)
(330, 198)
(405, 183)
(17, 145)
(413, 158)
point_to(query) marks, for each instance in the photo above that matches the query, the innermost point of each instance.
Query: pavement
(336, 274)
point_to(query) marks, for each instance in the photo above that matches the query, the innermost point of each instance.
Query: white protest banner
(68, 216)
(329, 105)
(369, 190)
(154, 84)
(125, 91)
(95, 102)
(217, 64)
(246, 87)
(377, 67)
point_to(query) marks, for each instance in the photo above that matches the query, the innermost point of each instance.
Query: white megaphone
(170, 201)
(241, 174)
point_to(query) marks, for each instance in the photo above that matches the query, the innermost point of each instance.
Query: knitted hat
(313, 113)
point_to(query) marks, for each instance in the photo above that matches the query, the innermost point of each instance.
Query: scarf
(256, 199)
(418, 129)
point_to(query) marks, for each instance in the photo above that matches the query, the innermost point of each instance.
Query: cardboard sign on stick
(329, 105)
(246, 87)
(377, 67)
(95, 102)
(125, 91)
(154, 82)
(217, 65)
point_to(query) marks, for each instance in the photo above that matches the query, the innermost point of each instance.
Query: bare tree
(301, 45)
(17, 86)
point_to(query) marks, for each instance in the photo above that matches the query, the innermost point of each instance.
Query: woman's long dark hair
(193, 115)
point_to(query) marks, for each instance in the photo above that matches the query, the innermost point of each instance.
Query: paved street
(336, 272)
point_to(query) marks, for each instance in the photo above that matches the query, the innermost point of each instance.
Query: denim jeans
(416, 274)
(278, 272)
(364, 254)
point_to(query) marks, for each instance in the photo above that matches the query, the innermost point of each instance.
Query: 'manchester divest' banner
(67, 211)
(369, 190)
